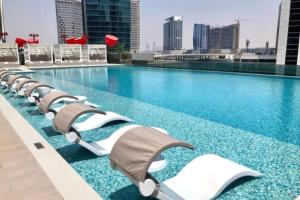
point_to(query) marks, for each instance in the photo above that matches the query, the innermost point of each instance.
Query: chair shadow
(6, 92)
(15, 96)
(34, 112)
(113, 123)
(132, 191)
(27, 104)
(238, 182)
(50, 132)
(75, 153)
(129, 192)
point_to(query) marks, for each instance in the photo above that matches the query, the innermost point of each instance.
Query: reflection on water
(266, 105)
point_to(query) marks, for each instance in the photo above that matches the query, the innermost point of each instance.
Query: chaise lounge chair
(13, 79)
(64, 122)
(22, 85)
(35, 91)
(4, 77)
(45, 104)
(203, 178)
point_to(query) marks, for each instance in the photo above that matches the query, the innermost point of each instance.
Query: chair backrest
(64, 119)
(143, 145)
(50, 98)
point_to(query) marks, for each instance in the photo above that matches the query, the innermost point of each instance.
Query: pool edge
(65, 179)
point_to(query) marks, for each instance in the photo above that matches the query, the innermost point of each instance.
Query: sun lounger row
(134, 150)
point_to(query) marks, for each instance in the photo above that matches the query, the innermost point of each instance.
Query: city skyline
(263, 15)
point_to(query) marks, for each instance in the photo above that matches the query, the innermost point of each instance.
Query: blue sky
(260, 15)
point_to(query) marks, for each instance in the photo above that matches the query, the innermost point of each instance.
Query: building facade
(226, 37)
(120, 18)
(201, 37)
(288, 52)
(69, 19)
(173, 33)
(2, 27)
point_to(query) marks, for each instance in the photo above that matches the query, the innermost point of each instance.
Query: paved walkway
(21, 177)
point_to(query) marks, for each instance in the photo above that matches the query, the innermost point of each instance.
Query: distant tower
(135, 26)
(154, 47)
(69, 19)
(173, 33)
(147, 46)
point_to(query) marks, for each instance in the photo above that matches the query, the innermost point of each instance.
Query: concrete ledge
(68, 183)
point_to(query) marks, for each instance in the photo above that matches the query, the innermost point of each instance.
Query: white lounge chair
(35, 91)
(4, 77)
(13, 80)
(66, 117)
(47, 104)
(64, 122)
(17, 82)
(203, 178)
(104, 147)
(22, 85)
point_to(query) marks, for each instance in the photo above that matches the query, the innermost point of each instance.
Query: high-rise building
(215, 39)
(201, 37)
(226, 37)
(2, 28)
(173, 33)
(120, 18)
(288, 52)
(69, 19)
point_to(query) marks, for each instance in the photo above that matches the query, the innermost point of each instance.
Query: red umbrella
(111, 41)
(81, 40)
(20, 42)
(71, 40)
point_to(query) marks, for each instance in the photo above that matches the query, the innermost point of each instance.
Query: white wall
(283, 32)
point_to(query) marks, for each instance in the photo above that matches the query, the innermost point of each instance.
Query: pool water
(266, 105)
(252, 120)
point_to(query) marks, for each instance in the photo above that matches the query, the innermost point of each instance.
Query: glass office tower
(104, 17)
(200, 37)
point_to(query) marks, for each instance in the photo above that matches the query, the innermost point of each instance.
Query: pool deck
(32, 173)
(26, 182)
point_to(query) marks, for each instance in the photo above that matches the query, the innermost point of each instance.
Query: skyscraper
(120, 18)
(200, 37)
(2, 28)
(69, 19)
(173, 33)
(288, 52)
(226, 37)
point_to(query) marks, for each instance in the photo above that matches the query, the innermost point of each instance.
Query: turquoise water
(265, 105)
(196, 107)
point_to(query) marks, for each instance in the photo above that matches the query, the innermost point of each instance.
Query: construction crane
(243, 20)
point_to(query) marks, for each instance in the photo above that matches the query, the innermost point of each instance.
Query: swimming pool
(266, 105)
(226, 114)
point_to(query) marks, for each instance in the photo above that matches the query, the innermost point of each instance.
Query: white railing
(38, 53)
(9, 53)
(97, 53)
(80, 53)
